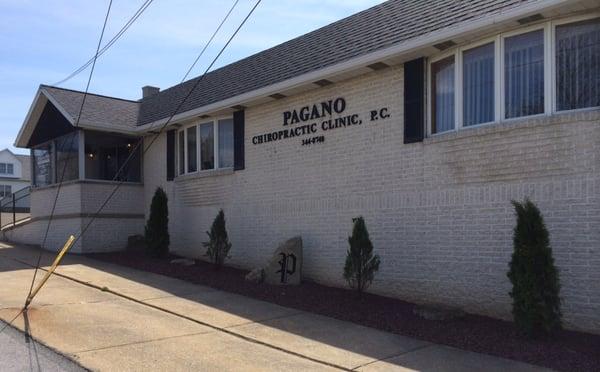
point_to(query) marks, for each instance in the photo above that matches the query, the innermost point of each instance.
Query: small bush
(361, 264)
(157, 227)
(534, 277)
(218, 245)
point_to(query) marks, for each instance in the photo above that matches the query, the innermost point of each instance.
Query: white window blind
(578, 65)
(478, 85)
(524, 74)
(443, 95)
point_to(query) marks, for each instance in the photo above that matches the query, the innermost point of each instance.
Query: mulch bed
(568, 351)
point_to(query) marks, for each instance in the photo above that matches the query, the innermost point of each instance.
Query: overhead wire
(110, 43)
(59, 186)
(117, 186)
(162, 128)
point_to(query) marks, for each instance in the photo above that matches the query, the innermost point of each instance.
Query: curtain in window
(192, 152)
(524, 74)
(443, 95)
(226, 143)
(578, 65)
(181, 150)
(478, 85)
(207, 146)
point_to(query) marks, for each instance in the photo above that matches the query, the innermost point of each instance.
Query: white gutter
(367, 59)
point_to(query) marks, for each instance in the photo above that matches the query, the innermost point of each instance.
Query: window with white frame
(524, 74)
(578, 65)
(442, 96)
(542, 69)
(5, 190)
(7, 168)
(205, 146)
(478, 85)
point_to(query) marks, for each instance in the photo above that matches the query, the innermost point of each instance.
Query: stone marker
(285, 268)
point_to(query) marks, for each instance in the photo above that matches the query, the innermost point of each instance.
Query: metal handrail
(9, 204)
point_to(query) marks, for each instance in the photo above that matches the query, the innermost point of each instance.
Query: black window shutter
(414, 100)
(171, 155)
(238, 140)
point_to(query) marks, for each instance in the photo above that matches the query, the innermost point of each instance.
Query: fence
(15, 207)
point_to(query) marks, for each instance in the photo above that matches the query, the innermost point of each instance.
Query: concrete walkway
(108, 317)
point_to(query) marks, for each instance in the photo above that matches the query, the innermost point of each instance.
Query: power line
(70, 146)
(209, 41)
(99, 52)
(162, 128)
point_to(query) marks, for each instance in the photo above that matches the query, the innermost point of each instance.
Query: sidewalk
(108, 317)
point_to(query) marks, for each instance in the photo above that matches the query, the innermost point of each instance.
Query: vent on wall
(445, 45)
(531, 18)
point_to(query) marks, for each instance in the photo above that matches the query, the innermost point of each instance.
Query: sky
(42, 42)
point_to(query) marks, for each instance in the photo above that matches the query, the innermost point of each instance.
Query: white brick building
(451, 111)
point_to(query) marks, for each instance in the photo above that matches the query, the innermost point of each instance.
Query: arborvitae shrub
(157, 226)
(218, 245)
(534, 277)
(361, 264)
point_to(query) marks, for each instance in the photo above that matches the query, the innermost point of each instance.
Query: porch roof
(108, 114)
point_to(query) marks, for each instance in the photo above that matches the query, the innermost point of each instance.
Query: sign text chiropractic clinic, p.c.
(297, 123)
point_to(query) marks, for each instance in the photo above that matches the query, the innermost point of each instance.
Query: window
(524, 74)
(6, 168)
(442, 101)
(43, 169)
(206, 146)
(106, 156)
(192, 152)
(511, 75)
(67, 157)
(5, 190)
(578, 65)
(478, 85)
(226, 143)
(181, 150)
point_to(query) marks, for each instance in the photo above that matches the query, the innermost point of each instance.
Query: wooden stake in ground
(57, 260)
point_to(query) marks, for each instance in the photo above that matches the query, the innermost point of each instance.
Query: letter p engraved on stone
(287, 265)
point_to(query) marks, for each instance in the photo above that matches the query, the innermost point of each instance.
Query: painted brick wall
(438, 212)
(109, 232)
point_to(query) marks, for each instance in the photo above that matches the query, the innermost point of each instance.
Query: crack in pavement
(393, 356)
(141, 342)
(217, 328)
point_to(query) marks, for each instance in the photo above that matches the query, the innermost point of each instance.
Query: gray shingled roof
(376, 28)
(98, 110)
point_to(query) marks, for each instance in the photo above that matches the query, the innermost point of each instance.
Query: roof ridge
(290, 41)
(92, 94)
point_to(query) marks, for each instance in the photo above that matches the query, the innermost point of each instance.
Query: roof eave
(42, 96)
(395, 51)
(40, 100)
